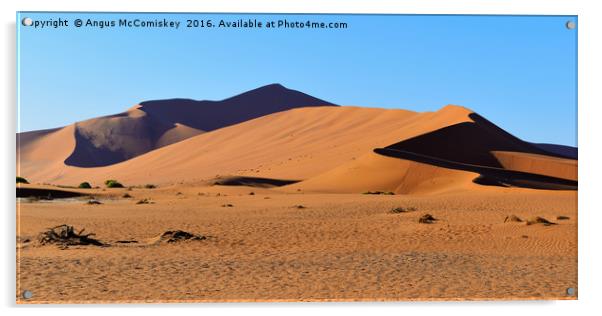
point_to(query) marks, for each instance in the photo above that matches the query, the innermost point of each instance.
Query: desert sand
(338, 247)
(299, 200)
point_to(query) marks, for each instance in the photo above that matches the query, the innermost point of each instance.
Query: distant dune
(150, 125)
(317, 148)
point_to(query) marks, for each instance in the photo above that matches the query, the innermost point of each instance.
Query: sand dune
(373, 172)
(324, 145)
(538, 164)
(150, 125)
(296, 144)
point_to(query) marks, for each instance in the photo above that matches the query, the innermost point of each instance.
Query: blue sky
(517, 71)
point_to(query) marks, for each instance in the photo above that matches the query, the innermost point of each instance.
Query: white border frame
(589, 70)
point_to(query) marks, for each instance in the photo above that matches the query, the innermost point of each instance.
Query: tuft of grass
(149, 186)
(379, 192)
(562, 218)
(251, 193)
(85, 185)
(513, 218)
(113, 184)
(126, 196)
(227, 205)
(427, 219)
(539, 220)
(145, 201)
(22, 180)
(299, 206)
(397, 210)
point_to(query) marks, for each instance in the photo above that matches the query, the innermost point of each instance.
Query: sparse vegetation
(145, 201)
(562, 218)
(149, 186)
(113, 184)
(227, 205)
(65, 235)
(539, 220)
(299, 206)
(22, 180)
(251, 193)
(94, 202)
(397, 210)
(84, 185)
(427, 219)
(379, 192)
(177, 236)
(513, 218)
(126, 196)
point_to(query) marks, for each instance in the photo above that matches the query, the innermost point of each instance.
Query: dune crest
(327, 148)
(150, 125)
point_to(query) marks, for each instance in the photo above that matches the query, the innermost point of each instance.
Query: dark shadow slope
(211, 115)
(468, 146)
(112, 139)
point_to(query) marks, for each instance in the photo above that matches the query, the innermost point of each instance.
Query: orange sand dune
(373, 172)
(150, 125)
(331, 149)
(295, 144)
(538, 164)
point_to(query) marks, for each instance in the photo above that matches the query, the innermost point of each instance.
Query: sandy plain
(265, 247)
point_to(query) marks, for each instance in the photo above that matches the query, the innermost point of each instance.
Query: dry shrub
(65, 235)
(513, 218)
(539, 220)
(427, 219)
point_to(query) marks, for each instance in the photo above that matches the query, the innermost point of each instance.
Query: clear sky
(517, 71)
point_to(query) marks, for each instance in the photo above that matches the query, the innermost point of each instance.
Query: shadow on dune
(561, 150)
(468, 146)
(468, 142)
(487, 175)
(115, 138)
(211, 115)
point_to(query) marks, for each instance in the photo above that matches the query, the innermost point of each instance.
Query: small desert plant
(126, 196)
(173, 236)
(562, 217)
(251, 193)
(299, 206)
(22, 180)
(227, 205)
(426, 219)
(397, 210)
(379, 192)
(113, 184)
(65, 235)
(149, 186)
(84, 185)
(144, 201)
(513, 218)
(540, 220)
(94, 202)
